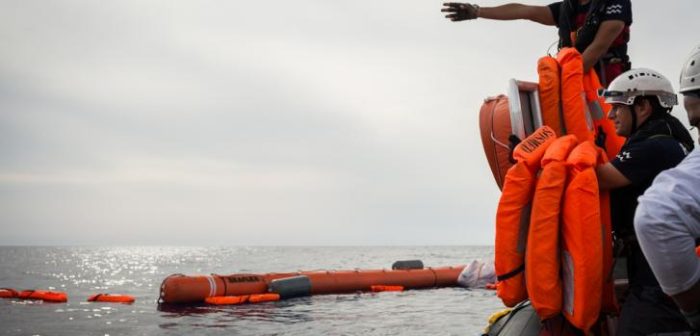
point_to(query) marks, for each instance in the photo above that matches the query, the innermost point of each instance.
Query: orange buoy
(8, 293)
(191, 289)
(115, 298)
(385, 288)
(48, 296)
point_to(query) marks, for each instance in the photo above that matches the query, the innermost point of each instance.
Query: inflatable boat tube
(520, 321)
(179, 288)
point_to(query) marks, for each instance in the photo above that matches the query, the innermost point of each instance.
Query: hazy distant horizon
(265, 123)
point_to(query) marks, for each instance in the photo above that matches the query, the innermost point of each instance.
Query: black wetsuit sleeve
(555, 8)
(618, 10)
(637, 162)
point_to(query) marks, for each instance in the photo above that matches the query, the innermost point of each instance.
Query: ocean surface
(138, 271)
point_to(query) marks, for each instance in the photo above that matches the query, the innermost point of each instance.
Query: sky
(301, 122)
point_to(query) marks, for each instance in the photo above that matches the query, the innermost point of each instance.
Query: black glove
(460, 11)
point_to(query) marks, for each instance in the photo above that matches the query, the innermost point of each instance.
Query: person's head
(636, 96)
(690, 87)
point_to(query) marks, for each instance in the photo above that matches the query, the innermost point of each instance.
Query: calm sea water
(138, 271)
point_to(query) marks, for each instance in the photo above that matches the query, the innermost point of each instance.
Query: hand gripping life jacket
(582, 240)
(513, 216)
(542, 263)
(576, 120)
(549, 90)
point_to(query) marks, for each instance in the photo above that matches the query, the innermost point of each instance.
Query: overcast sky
(302, 122)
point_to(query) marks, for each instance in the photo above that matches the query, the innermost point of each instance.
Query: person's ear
(643, 110)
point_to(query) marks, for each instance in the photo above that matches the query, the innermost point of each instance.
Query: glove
(460, 11)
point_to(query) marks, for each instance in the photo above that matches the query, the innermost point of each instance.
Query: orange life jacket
(549, 90)
(582, 240)
(513, 216)
(576, 120)
(542, 263)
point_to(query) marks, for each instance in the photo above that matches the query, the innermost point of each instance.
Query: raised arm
(606, 35)
(513, 11)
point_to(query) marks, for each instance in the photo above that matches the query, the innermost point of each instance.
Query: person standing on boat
(667, 220)
(599, 29)
(641, 102)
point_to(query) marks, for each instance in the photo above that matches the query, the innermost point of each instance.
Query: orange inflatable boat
(180, 288)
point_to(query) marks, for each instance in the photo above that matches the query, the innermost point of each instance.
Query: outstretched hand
(460, 11)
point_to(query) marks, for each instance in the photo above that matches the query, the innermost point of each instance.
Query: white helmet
(690, 75)
(640, 82)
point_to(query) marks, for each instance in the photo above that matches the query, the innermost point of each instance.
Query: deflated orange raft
(180, 288)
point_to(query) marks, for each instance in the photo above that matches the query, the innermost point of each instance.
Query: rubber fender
(407, 265)
(291, 287)
(520, 321)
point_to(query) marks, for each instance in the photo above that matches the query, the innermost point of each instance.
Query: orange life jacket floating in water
(48, 296)
(582, 240)
(542, 264)
(114, 298)
(8, 293)
(513, 216)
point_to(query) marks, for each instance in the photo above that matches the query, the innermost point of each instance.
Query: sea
(138, 271)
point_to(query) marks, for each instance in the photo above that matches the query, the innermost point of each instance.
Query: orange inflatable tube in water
(114, 298)
(542, 263)
(582, 240)
(513, 216)
(192, 289)
(48, 296)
